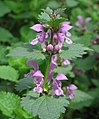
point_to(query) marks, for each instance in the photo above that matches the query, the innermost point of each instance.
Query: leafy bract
(45, 107)
(28, 51)
(81, 100)
(24, 84)
(8, 103)
(73, 51)
(8, 73)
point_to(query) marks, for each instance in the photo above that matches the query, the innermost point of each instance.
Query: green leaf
(8, 73)
(27, 52)
(5, 35)
(96, 48)
(26, 33)
(85, 40)
(81, 100)
(24, 84)
(87, 63)
(73, 51)
(71, 3)
(53, 4)
(45, 107)
(8, 103)
(4, 9)
(44, 17)
(64, 70)
(3, 52)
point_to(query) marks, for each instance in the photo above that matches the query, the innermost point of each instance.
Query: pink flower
(37, 76)
(37, 27)
(65, 62)
(40, 36)
(63, 33)
(80, 22)
(70, 90)
(56, 85)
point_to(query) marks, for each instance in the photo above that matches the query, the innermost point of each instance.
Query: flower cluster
(81, 22)
(51, 41)
(58, 38)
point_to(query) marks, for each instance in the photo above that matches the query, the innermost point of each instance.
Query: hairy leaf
(45, 107)
(73, 51)
(8, 73)
(24, 84)
(26, 52)
(81, 100)
(8, 103)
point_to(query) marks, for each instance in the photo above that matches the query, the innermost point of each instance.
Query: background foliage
(16, 16)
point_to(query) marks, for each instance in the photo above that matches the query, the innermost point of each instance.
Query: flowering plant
(52, 49)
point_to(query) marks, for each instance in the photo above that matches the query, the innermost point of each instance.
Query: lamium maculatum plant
(48, 89)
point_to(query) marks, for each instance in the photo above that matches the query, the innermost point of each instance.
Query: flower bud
(50, 47)
(57, 48)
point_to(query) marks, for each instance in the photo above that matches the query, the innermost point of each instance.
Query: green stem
(61, 116)
(46, 73)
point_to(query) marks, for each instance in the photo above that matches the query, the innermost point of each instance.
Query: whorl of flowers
(51, 40)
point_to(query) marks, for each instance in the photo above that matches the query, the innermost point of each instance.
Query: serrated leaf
(8, 73)
(81, 100)
(44, 17)
(26, 52)
(73, 51)
(48, 10)
(24, 84)
(4, 9)
(64, 70)
(45, 107)
(8, 103)
(59, 11)
(5, 35)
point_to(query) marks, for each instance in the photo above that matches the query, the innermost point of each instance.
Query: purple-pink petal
(72, 87)
(34, 42)
(38, 89)
(37, 27)
(68, 41)
(41, 37)
(38, 74)
(65, 23)
(59, 92)
(33, 64)
(87, 19)
(61, 77)
(68, 34)
(65, 62)
(65, 28)
(60, 37)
